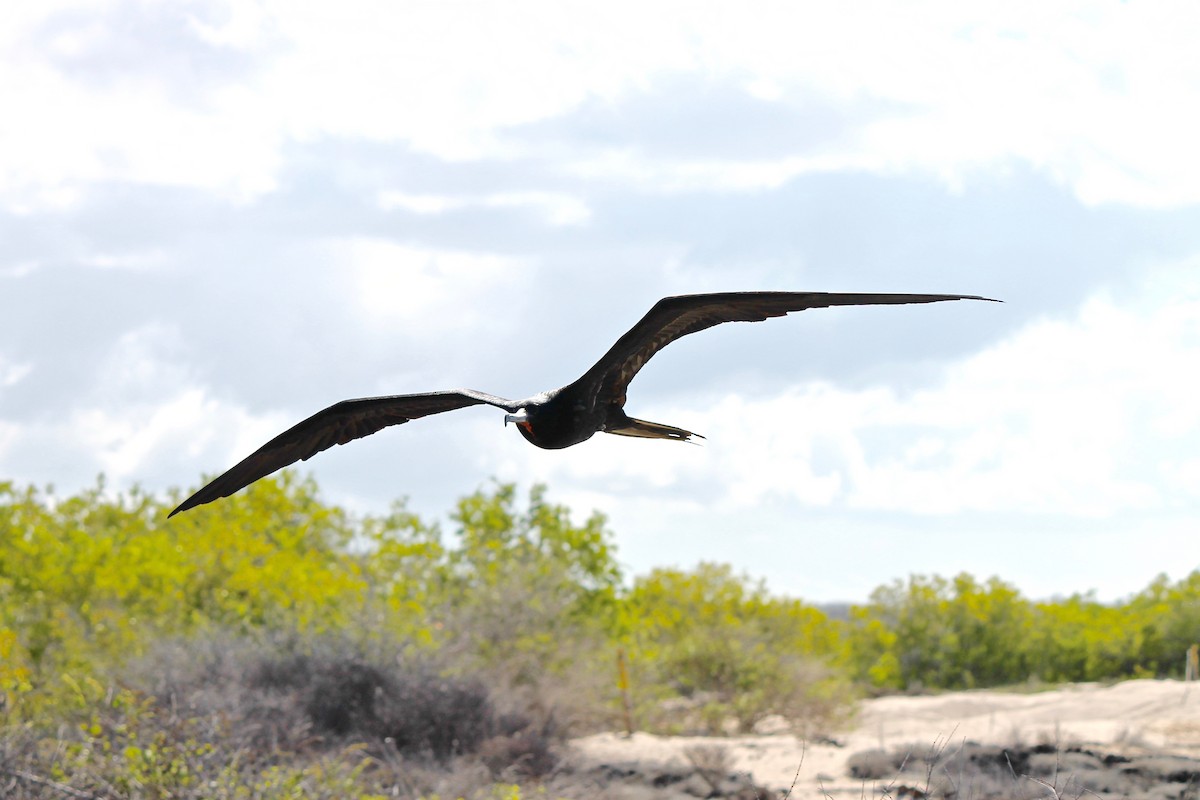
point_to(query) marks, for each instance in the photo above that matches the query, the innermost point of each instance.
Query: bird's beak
(518, 418)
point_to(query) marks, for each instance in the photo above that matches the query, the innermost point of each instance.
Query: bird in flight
(558, 418)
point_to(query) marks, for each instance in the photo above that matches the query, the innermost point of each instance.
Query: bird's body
(550, 420)
(566, 417)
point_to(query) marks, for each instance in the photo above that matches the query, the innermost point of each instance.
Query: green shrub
(712, 649)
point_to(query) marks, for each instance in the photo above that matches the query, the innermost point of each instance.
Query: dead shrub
(329, 695)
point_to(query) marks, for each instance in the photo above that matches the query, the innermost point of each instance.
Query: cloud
(1095, 96)
(12, 372)
(691, 117)
(435, 292)
(556, 208)
(145, 415)
(123, 440)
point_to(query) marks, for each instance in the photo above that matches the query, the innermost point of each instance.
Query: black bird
(554, 419)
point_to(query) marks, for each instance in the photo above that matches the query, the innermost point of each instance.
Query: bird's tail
(651, 430)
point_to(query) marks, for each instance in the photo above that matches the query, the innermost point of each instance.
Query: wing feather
(675, 317)
(340, 423)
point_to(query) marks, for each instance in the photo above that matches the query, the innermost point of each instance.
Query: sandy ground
(1134, 716)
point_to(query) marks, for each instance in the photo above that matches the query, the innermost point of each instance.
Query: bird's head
(520, 419)
(524, 424)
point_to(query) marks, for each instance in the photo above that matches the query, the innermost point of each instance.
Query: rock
(672, 781)
(1172, 769)
(1065, 763)
(992, 772)
(873, 765)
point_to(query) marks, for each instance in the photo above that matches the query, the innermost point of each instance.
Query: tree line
(519, 594)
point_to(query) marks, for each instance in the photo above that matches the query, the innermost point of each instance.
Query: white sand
(1129, 716)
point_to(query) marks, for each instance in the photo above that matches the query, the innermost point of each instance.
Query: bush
(936, 633)
(329, 696)
(221, 718)
(721, 651)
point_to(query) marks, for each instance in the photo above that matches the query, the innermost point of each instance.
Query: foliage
(516, 597)
(528, 595)
(92, 585)
(740, 654)
(930, 631)
(522, 598)
(92, 580)
(125, 745)
(934, 633)
(1166, 621)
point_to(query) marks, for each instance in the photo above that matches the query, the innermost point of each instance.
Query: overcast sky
(219, 217)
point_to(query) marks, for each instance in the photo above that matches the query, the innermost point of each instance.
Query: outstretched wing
(674, 317)
(340, 423)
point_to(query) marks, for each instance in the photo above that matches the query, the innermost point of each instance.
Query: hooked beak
(519, 418)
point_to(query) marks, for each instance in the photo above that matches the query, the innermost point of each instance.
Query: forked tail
(651, 430)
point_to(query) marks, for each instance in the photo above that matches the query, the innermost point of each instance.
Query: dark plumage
(555, 419)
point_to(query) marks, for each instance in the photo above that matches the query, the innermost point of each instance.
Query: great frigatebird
(554, 419)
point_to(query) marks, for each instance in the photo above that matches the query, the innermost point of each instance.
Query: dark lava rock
(992, 772)
(674, 782)
(1049, 764)
(1171, 769)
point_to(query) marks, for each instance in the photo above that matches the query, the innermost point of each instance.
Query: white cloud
(144, 412)
(234, 24)
(20, 269)
(12, 372)
(1060, 418)
(419, 203)
(8, 435)
(132, 440)
(71, 134)
(1099, 95)
(121, 439)
(556, 208)
(445, 289)
(140, 261)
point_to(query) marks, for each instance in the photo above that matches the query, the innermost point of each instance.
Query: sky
(217, 218)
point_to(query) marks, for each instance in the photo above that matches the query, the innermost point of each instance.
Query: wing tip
(198, 498)
(184, 506)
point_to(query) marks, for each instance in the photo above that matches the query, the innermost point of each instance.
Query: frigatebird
(555, 419)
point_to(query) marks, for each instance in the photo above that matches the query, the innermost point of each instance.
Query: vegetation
(272, 645)
(716, 651)
(934, 633)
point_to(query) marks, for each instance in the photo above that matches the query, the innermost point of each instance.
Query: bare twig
(1054, 793)
(712, 763)
(796, 777)
(62, 788)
